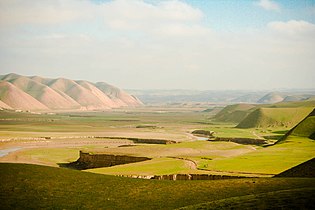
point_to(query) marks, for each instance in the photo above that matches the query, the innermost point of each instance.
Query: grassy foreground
(25, 186)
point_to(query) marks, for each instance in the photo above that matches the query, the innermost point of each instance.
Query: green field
(270, 160)
(55, 140)
(159, 166)
(174, 124)
(37, 187)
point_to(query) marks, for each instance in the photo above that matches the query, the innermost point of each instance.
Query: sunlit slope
(43, 93)
(85, 97)
(270, 160)
(306, 128)
(293, 149)
(18, 99)
(61, 93)
(274, 117)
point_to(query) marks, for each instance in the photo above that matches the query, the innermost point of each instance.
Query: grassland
(306, 128)
(275, 117)
(281, 199)
(159, 166)
(40, 187)
(270, 160)
(174, 124)
(54, 139)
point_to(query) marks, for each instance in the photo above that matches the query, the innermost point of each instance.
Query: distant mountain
(157, 97)
(286, 96)
(37, 93)
(297, 97)
(187, 96)
(271, 98)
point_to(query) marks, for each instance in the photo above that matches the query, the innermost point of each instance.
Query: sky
(162, 44)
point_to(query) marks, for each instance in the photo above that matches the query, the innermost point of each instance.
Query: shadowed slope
(98, 93)
(80, 94)
(306, 169)
(119, 96)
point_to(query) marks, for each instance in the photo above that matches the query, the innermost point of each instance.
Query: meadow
(56, 139)
(36, 187)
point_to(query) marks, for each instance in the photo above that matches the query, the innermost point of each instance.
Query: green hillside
(306, 128)
(234, 113)
(275, 117)
(25, 186)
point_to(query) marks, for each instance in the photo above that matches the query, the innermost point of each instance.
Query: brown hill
(61, 94)
(98, 93)
(17, 99)
(83, 96)
(271, 98)
(44, 94)
(118, 95)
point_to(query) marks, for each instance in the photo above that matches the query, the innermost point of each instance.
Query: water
(4, 152)
(202, 138)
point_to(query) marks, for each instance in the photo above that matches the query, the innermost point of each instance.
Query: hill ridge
(264, 117)
(41, 93)
(305, 128)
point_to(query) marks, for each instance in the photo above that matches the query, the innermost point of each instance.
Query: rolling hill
(38, 93)
(18, 99)
(274, 117)
(305, 128)
(234, 113)
(271, 98)
(44, 94)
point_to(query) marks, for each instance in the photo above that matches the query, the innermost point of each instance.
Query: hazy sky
(150, 44)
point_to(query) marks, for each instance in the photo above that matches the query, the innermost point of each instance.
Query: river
(4, 152)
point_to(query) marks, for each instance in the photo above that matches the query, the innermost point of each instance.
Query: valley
(166, 138)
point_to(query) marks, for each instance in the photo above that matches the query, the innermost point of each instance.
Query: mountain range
(38, 93)
(156, 97)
